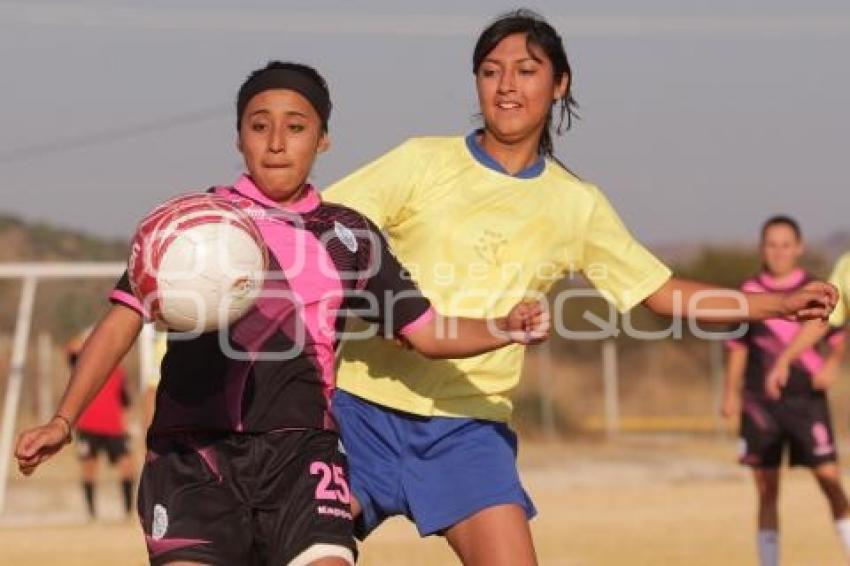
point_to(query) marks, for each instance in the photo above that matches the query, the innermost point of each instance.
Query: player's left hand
(815, 300)
(528, 323)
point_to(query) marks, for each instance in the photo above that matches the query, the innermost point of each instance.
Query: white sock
(842, 527)
(768, 542)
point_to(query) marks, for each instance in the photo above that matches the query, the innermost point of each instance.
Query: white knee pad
(317, 551)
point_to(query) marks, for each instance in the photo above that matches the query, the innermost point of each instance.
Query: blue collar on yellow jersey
(482, 157)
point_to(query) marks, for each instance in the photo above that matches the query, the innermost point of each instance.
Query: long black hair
(540, 34)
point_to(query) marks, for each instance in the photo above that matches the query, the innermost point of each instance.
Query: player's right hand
(729, 408)
(776, 379)
(39, 444)
(528, 323)
(816, 300)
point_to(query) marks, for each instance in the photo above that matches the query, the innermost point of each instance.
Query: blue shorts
(437, 471)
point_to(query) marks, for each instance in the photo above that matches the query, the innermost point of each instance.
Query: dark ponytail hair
(540, 34)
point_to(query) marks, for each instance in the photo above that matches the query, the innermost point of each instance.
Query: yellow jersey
(160, 346)
(841, 278)
(477, 240)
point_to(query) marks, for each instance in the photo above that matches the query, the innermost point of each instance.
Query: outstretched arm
(707, 303)
(107, 345)
(454, 337)
(389, 296)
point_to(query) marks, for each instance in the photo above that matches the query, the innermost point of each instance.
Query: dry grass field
(637, 500)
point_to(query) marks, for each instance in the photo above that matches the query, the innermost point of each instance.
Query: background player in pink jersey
(101, 428)
(244, 464)
(799, 419)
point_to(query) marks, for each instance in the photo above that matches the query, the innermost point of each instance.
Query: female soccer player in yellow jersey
(480, 221)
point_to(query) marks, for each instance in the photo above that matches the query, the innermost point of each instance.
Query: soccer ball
(197, 263)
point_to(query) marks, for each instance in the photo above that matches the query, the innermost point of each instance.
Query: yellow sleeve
(841, 278)
(381, 189)
(614, 262)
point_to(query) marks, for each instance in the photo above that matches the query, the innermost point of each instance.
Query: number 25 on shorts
(332, 485)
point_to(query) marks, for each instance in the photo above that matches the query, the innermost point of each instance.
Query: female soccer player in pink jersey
(244, 464)
(480, 220)
(800, 419)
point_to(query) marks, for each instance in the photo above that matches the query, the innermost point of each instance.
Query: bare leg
(125, 467)
(829, 479)
(767, 538)
(495, 536)
(767, 485)
(88, 466)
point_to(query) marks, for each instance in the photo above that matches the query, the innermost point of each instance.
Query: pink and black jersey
(274, 368)
(765, 340)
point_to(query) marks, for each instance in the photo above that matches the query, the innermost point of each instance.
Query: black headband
(289, 79)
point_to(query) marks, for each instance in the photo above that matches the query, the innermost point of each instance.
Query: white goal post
(30, 274)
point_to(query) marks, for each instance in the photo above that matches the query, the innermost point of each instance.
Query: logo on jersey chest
(489, 246)
(345, 236)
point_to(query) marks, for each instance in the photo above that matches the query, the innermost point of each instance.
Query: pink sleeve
(128, 300)
(423, 319)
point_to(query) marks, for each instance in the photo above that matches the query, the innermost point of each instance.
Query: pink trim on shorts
(755, 413)
(208, 456)
(161, 546)
(423, 319)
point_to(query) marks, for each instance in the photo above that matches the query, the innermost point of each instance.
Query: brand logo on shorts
(160, 522)
(340, 447)
(820, 434)
(345, 236)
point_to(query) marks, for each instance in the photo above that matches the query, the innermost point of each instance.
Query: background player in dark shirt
(243, 463)
(800, 418)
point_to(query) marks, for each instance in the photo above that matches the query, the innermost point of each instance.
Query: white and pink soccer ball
(197, 263)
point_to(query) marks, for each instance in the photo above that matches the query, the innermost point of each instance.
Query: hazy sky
(699, 118)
